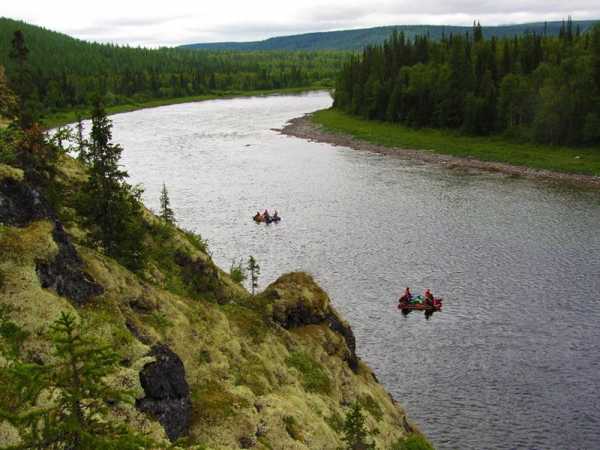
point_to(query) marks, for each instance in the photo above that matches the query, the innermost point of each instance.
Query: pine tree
(112, 209)
(254, 270)
(166, 213)
(74, 412)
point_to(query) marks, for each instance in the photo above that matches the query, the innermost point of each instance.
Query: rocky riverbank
(304, 128)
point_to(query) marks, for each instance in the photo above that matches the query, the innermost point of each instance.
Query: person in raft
(258, 216)
(275, 216)
(406, 297)
(266, 215)
(428, 297)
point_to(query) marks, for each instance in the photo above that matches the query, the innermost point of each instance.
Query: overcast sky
(157, 23)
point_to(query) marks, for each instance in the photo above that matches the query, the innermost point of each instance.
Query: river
(513, 360)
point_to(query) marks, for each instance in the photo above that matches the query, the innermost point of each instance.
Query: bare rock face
(64, 274)
(299, 301)
(167, 392)
(20, 204)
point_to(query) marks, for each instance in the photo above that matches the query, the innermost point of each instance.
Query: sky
(155, 23)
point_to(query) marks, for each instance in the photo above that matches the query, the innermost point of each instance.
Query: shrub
(237, 272)
(412, 442)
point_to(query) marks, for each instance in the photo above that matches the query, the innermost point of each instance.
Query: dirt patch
(304, 128)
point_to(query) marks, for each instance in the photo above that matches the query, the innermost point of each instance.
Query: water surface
(511, 362)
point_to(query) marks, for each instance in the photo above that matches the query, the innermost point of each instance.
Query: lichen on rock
(298, 300)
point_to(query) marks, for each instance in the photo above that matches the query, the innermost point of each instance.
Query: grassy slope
(245, 372)
(489, 148)
(66, 117)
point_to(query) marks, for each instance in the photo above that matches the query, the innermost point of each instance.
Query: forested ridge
(357, 39)
(65, 73)
(535, 87)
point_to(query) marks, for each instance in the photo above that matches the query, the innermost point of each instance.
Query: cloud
(184, 21)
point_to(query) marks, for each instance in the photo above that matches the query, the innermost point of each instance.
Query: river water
(513, 361)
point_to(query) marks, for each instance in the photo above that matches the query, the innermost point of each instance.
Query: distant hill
(357, 39)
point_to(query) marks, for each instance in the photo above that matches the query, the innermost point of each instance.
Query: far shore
(63, 118)
(307, 127)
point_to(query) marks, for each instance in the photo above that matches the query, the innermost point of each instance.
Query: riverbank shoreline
(63, 118)
(305, 128)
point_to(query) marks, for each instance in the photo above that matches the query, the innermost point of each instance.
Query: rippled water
(513, 361)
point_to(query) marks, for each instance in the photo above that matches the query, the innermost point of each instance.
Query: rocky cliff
(210, 365)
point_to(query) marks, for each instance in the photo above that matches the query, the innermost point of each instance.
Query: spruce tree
(166, 213)
(254, 270)
(112, 208)
(81, 142)
(63, 403)
(23, 82)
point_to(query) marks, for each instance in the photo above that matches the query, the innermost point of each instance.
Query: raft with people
(265, 217)
(425, 302)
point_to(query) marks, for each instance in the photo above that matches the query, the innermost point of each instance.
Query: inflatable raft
(418, 304)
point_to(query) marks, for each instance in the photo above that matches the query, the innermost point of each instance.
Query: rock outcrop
(167, 392)
(64, 273)
(298, 300)
(20, 205)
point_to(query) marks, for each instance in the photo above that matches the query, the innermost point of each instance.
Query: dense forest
(358, 39)
(534, 87)
(61, 72)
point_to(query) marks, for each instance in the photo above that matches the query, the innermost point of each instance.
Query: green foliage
(67, 70)
(111, 208)
(8, 144)
(12, 336)
(314, 376)
(8, 101)
(412, 442)
(166, 213)
(535, 86)
(356, 436)
(254, 269)
(63, 403)
(238, 272)
(26, 112)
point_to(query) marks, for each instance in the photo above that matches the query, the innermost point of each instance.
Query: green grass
(484, 148)
(66, 117)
